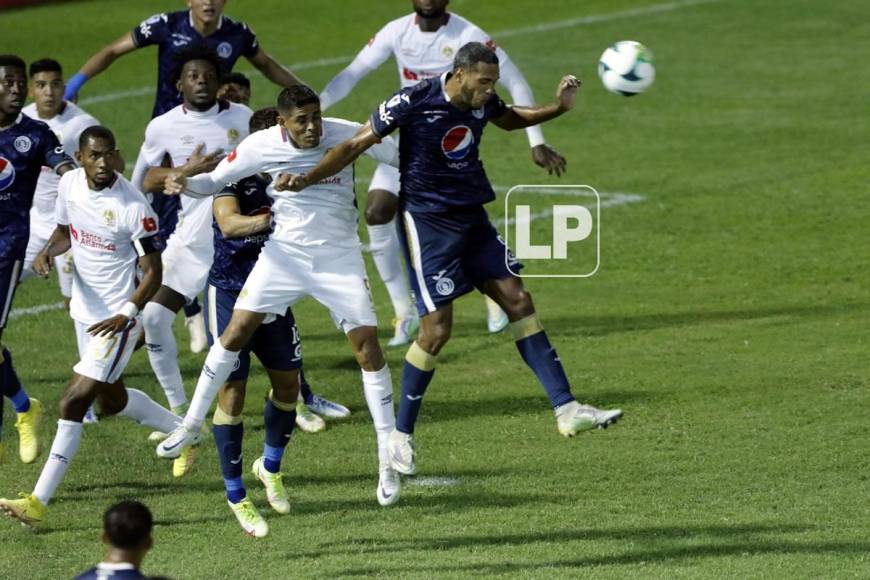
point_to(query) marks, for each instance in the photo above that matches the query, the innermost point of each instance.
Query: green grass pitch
(728, 319)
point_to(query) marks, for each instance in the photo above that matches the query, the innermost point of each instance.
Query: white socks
(142, 409)
(378, 390)
(63, 449)
(384, 244)
(163, 351)
(218, 365)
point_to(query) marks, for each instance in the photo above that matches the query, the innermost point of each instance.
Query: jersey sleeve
(250, 45)
(243, 161)
(52, 151)
(141, 221)
(373, 55)
(61, 216)
(232, 189)
(387, 151)
(153, 149)
(393, 113)
(154, 30)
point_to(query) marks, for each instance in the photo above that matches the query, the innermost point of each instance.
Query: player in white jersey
(173, 142)
(67, 121)
(111, 230)
(423, 44)
(314, 250)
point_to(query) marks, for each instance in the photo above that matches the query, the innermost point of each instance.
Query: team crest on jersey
(225, 50)
(7, 173)
(22, 144)
(457, 142)
(109, 218)
(447, 52)
(233, 136)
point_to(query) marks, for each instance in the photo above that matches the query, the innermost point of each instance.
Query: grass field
(728, 320)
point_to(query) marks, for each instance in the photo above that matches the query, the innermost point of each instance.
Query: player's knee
(378, 216)
(286, 391)
(381, 207)
(74, 405)
(433, 338)
(369, 354)
(231, 398)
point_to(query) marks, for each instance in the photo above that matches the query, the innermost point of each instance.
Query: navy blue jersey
(173, 32)
(24, 148)
(113, 572)
(438, 146)
(235, 258)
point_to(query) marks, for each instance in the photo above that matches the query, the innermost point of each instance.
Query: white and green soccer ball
(626, 68)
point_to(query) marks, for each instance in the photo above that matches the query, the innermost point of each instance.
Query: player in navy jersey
(26, 146)
(174, 32)
(450, 245)
(242, 223)
(127, 536)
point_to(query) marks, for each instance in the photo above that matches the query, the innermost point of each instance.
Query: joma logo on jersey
(7, 173)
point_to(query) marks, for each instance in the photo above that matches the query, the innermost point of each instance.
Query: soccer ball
(626, 68)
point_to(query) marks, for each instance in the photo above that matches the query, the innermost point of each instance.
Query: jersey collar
(207, 113)
(417, 22)
(116, 566)
(190, 19)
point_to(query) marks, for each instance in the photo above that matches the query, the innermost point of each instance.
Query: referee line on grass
(537, 28)
(608, 199)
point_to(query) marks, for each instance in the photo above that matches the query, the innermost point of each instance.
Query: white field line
(31, 310)
(538, 28)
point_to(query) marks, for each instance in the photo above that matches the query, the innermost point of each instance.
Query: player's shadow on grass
(591, 325)
(660, 544)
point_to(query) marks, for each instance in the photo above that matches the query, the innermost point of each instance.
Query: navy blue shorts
(449, 254)
(276, 344)
(10, 272)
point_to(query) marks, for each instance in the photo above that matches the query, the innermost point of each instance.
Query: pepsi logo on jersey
(7, 173)
(457, 142)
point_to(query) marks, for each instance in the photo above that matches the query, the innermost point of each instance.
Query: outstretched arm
(273, 70)
(197, 163)
(233, 224)
(334, 161)
(98, 63)
(522, 117)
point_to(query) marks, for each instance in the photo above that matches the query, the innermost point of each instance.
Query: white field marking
(432, 481)
(31, 310)
(543, 27)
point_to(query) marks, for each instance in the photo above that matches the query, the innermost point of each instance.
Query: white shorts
(185, 268)
(335, 277)
(105, 358)
(63, 264)
(386, 177)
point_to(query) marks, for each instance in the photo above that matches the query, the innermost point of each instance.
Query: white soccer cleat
(308, 421)
(196, 329)
(177, 441)
(249, 518)
(572, 418)
(496, 319)
(403, 455)
(327, 408)
(405, 330)
(274, 484)
(389, 486)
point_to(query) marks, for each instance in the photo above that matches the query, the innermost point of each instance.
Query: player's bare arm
(152, 278)
(58, 243)
(334, 161)
(273, 70)
(522, 117)
(235, 225)
(156, 177)
(101, 61)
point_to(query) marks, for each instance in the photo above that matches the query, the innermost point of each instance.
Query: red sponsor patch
(73, 231)
(149, 224)
(231, 156)
(409, 75)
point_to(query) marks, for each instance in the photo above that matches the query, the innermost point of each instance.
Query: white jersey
(177, 133)
(67, 126)
(104, 227)
(421, 55)
(324, 213)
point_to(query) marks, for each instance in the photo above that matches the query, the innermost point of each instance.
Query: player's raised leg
(540, 355)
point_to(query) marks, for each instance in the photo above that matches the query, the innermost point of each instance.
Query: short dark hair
(263, 119)
(472, 53)
(194, 52)
(96, 132)
(236, 78)
(127, 524)
(45, 65)
(296, 96)
(13, 60)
